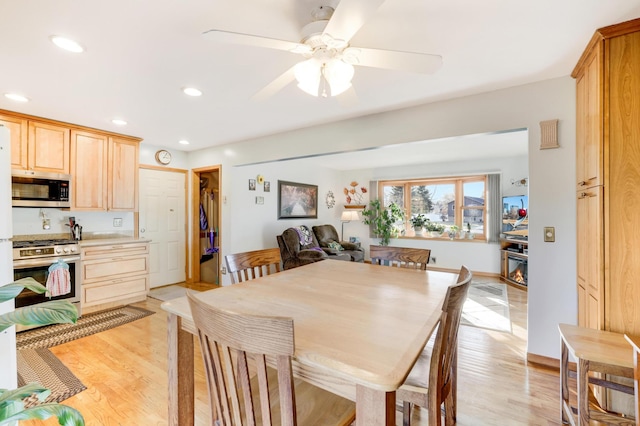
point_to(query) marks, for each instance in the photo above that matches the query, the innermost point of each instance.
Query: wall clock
(163, 157)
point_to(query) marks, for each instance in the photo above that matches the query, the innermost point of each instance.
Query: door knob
(142, 230)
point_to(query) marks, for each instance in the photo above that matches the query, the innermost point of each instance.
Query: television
(515, 216)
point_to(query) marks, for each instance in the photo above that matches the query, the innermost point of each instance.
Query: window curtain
(373, 195)
(494, 207)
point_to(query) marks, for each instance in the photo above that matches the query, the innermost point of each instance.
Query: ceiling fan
(327, 69)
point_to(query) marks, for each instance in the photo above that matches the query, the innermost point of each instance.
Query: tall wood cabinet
(608, 179)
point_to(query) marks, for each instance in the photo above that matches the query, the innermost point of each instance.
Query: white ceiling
(140, 53)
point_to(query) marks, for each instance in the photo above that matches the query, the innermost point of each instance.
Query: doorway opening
(205, 224)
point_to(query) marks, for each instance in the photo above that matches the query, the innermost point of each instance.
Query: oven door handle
(27, 263)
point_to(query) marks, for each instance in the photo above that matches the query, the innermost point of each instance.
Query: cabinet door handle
(582, 183)
(115, 259)
(585, 195)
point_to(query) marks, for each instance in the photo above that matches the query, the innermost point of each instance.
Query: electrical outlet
(117, 222)
(223, 270)
(432, 259)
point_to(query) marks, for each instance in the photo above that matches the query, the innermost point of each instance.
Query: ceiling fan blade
(275, 86)
(394, 60)
(349, 16)
(252, 40)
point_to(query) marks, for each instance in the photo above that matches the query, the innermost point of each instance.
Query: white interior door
(162, 220)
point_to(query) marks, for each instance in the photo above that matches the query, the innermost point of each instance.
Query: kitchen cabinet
(103, 165)
(18, 127)
(114, 274)
(38, 145)
(608, 165)
(608, 175)
(123, 174)
(105, 172)
(89, 170)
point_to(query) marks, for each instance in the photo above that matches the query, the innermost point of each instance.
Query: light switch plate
(549, 234)
(117, 222)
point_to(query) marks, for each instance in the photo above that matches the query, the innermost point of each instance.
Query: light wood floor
(125, 371)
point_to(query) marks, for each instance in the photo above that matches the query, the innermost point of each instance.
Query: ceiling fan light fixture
(307, 74)
(338, 74)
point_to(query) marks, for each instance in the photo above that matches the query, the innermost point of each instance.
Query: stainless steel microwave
(40, 189)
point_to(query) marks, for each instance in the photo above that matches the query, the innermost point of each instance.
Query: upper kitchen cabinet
(48, 147)
(103, 165)
(123, 174)
(38, 146)
(18, 127)
(104, 171)
(89, 170)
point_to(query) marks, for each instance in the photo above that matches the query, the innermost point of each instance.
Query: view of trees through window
(450, 201)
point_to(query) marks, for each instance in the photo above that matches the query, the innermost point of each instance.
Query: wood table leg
(375, 407)
(564, 383)
(180, 367)
(583, 392)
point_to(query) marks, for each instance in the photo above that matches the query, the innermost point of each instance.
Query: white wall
(27, 221)
(147, 152)
(552, 281)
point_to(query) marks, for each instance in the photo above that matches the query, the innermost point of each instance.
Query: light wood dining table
(358, 328)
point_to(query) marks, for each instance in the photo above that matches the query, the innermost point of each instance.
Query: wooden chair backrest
(252, 264)
(228, 341)
(402, 257)
(446, 343)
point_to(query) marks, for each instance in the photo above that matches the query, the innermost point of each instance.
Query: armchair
(327, 237)
(298, 247)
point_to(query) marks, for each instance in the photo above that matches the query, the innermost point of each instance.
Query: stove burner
(42, 243)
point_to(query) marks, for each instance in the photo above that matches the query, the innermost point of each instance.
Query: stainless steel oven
(33, 259)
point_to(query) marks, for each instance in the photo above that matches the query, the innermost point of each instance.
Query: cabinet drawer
(113, 290)
(113, 268)
(114, 250)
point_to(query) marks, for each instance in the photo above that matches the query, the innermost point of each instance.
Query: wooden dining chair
(235, 345)
(432, 380)
(402, 257)
(252, 264)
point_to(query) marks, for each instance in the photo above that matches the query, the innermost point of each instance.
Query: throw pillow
(336, 246)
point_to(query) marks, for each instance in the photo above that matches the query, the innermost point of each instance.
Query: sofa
(329, 241)
(299, 246)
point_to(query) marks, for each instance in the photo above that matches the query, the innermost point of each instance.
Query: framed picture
(252, 184)
(297, 200)
(267, 186)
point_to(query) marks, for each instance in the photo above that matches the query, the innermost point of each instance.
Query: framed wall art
(297, 200)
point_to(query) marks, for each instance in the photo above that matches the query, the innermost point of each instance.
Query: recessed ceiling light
(16, 97)
(183, 142)
(192, 91)
(67, 44)
(119, 122)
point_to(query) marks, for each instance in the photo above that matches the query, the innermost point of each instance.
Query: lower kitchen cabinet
(114, 274)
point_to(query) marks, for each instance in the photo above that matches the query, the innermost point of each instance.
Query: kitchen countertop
(111, 240)
(89, 239)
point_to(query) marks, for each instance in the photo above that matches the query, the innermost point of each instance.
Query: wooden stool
(597, 351)
(635, 343)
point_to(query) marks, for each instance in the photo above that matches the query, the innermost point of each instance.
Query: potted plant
(469, 234)
(453, 231)
(53, 312)
(436, 229)
(417, 222)
(383, 220)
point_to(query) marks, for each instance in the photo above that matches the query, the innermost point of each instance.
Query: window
(459, 201)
